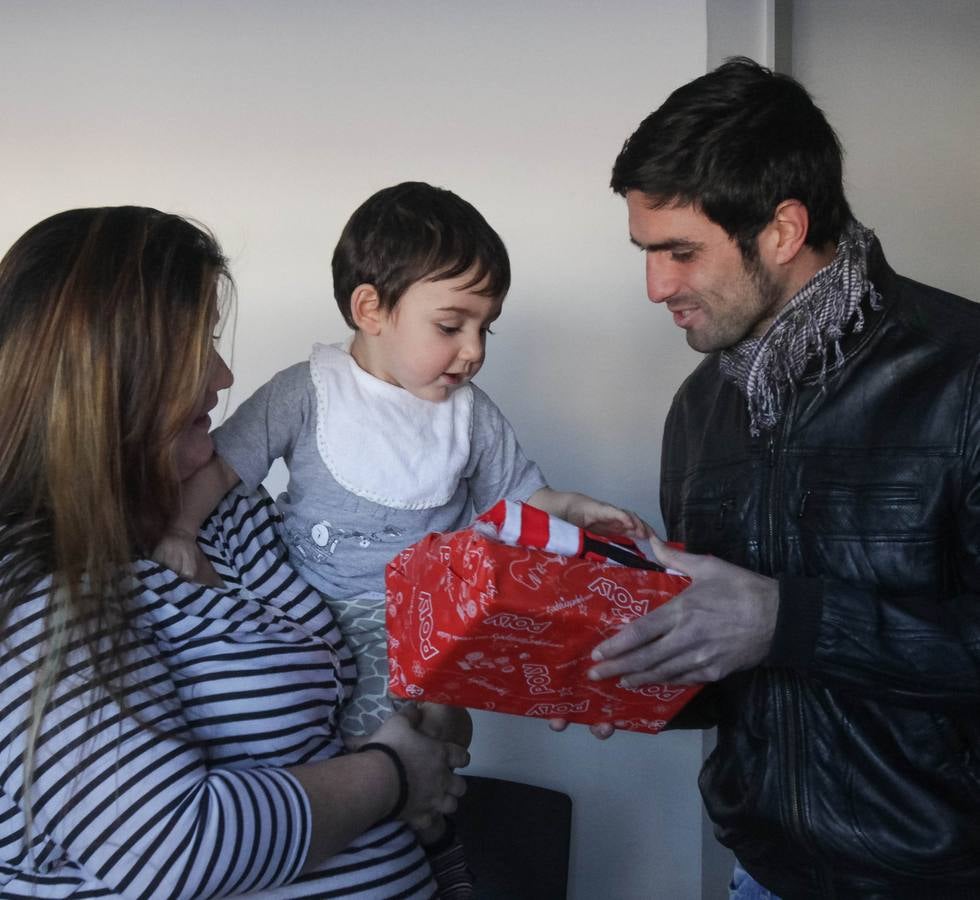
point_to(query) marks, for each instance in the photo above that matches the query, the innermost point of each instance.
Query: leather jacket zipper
(787, 681)
(777, 436)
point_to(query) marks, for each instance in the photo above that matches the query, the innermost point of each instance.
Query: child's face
(434, 340)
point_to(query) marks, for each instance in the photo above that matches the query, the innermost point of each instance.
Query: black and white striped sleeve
(122, 800)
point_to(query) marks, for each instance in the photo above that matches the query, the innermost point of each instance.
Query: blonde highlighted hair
(106, 323)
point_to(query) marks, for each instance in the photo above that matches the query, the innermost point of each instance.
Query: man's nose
(661, 282)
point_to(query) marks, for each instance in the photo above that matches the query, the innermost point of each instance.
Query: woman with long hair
(163, 736)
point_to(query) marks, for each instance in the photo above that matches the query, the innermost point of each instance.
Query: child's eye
(488, 330)
(448, 329)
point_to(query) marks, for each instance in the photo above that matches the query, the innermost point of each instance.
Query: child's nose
(472, 349)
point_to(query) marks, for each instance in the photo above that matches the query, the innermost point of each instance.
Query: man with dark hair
(826, 454)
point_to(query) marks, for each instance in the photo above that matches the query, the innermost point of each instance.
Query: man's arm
(908, 650)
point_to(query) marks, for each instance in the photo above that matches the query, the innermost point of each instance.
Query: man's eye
(682, 255)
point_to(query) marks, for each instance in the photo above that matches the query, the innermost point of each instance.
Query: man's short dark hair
(415, 232)
(736, 143)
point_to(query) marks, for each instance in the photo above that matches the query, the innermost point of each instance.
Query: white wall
(270, 121)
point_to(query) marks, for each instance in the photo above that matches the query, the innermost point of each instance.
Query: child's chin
(437, 393)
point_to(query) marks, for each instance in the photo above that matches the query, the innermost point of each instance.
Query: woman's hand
(446, 723)
(351, 792)
(433, 787)
(177, 550)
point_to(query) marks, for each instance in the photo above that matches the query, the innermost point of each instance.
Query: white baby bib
(382, 443)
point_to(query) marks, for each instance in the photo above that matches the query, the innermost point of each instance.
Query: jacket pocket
(912, 792)
(881, 533)
(865, 510)
(716, 525)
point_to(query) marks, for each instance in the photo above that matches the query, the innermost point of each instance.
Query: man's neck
(803, 267)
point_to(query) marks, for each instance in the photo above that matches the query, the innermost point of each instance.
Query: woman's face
(194, 445)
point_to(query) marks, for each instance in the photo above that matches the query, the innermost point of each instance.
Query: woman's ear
(365, 309)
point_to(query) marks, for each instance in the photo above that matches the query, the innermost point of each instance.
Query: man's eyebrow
(673, 245)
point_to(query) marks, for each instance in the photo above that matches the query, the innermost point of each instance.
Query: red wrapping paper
(476, 623)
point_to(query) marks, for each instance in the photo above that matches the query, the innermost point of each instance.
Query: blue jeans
(745, 887)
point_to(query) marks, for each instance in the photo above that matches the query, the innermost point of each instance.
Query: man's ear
(365, 309)
(784, 237)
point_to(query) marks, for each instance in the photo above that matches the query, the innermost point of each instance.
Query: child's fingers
(671, 557)
(607, 527)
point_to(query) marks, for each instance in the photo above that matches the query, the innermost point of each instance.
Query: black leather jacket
(848, 765)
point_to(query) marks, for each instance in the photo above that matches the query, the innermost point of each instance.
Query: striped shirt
(230, 686)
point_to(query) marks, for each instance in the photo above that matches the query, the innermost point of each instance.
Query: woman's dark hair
(736, 143)
(416, 232)
(106, 324)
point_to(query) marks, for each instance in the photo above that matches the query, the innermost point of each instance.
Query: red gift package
(478, 623)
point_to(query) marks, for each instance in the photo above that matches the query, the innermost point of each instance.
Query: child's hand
(603, 518)
(178, 551)
(446, 723)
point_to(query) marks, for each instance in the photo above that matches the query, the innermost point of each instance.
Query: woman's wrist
(400, 771)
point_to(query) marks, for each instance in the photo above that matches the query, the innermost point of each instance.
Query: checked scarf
(811, 325)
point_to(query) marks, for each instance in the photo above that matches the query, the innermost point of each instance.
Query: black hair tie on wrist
(402, 775)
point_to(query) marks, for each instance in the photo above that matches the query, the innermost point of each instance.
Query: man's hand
(601, 731)
(722, 623)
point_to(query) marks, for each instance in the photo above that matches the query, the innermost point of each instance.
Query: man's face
(694, 267)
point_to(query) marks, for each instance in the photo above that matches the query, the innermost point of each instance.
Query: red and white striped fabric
(523, 525)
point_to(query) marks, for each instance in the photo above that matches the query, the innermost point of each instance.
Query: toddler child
(385, 437)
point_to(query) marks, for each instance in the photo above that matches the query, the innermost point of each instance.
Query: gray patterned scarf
(810, 325)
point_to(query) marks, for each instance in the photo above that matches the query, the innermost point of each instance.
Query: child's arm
(201, 493)
(587, 512)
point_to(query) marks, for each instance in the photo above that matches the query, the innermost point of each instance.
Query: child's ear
(365, 308)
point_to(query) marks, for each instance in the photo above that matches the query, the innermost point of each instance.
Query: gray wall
(900, 81)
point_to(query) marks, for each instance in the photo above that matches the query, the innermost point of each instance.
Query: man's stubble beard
(745, 317)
